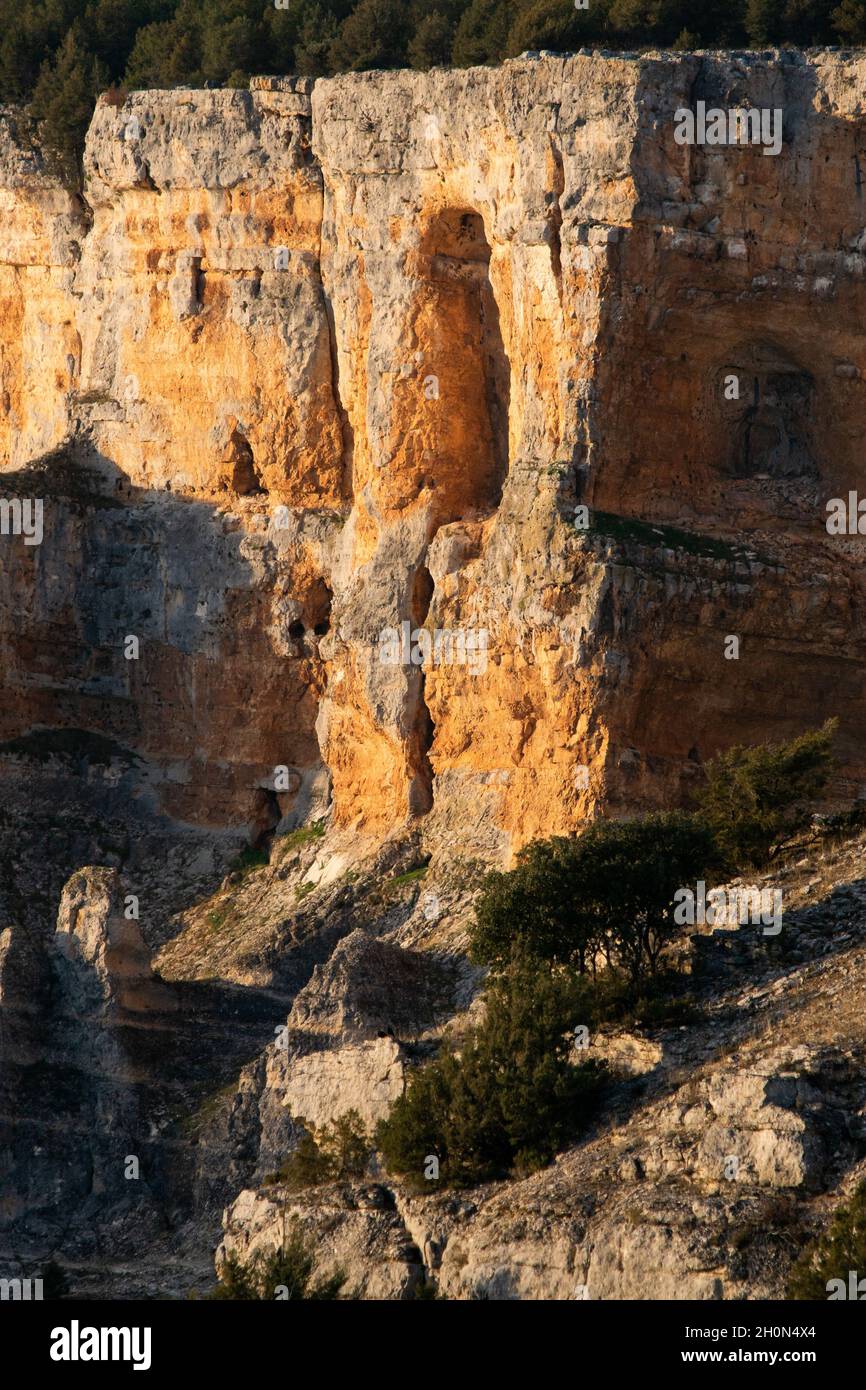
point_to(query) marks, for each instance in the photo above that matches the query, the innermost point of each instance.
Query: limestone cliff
(308, 369)
(349, 354)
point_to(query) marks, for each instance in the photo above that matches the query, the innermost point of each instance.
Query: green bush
(482, 32)
(655, 1002)
(629, 872)
(557, 25)
(510, 1099)
(285, 1273)
(844, 823)
(339, 1151)
(248, 860)
(536, 910)
(608, 892)
(374, 35)
(755, 799)
(834, 1255)
(430, 46)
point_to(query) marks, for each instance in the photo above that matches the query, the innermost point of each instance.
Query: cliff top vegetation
(56, 56)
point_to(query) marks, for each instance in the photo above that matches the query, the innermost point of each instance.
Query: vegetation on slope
(575, 935)
(825, 1268)
(284, 1274)
(509, 1100)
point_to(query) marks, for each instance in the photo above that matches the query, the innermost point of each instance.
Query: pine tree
(757, 798)
(765, 21)
(849, 21)
(63, 104)
(430, 46)
(317, 37)
(110, 27)
(164, 55)
(836, 1255)
(374, 36)
(513, 1096)
(557, 25)
(482, 34)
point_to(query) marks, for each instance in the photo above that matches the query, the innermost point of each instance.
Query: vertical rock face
(147, 662)
(102, 1064)
(615, 282)
(70, 1074)
(102, 960)
(338, 361)
(41, 230)
(345, 1038)
(206, 358)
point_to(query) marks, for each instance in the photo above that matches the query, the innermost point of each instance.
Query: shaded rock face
(346, 1045)
(772, 423)
(367, 989)
(122, 630)
(346, 355)
(102, 1065)
(70, 1074)
(102, 962)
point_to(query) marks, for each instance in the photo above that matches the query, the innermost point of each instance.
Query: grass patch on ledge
(248, 861)
(403, 880)
(304, 835)
(611, 526)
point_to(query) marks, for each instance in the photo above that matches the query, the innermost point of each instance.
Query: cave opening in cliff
(422, 595)
(423, 728)
(467, 372)
(319, 608)
(423, 733)
(266, 816)
(315, 618)
(772, 415)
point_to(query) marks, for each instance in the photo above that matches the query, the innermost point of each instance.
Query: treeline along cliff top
(57, 55)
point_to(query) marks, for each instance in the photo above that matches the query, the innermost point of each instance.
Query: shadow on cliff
(726, 267)
(744, 273)
(144, 689)
(150, 767)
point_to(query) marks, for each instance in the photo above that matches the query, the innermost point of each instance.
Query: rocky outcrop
(102, 1064)
(103, 964)
(356, 1232)
(352, 1031)
(342, 1049)
(709, 1168)
(368, 988)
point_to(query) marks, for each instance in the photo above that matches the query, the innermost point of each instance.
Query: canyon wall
(305, 371)
(314, 361)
